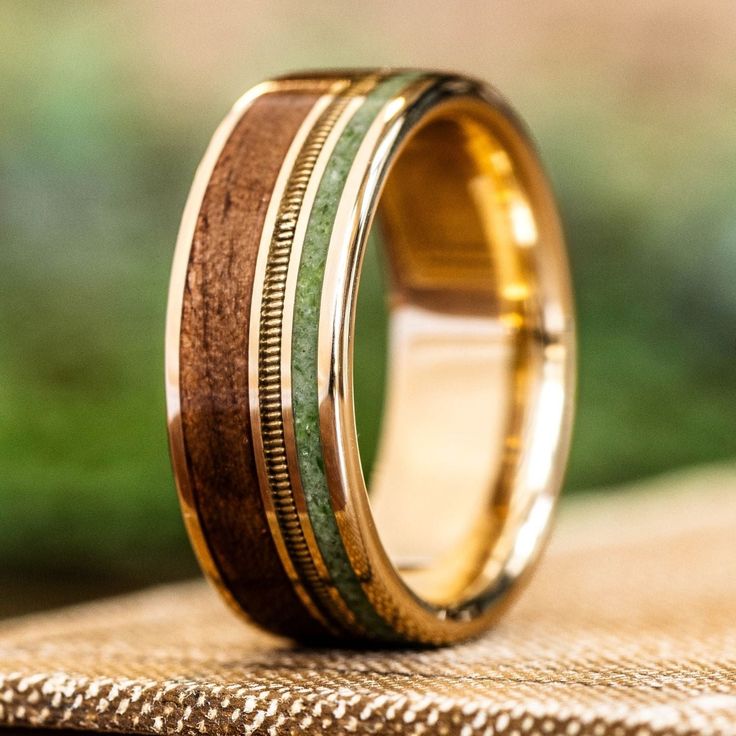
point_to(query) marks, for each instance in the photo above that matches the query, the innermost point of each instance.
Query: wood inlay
(214, 364)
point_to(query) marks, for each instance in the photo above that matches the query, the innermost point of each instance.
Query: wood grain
(214, 364)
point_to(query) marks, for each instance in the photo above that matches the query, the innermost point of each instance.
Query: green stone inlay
(304, 355)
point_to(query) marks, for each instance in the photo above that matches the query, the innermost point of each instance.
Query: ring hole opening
(458, 487)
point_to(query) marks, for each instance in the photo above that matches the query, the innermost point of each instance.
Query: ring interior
(464, 480)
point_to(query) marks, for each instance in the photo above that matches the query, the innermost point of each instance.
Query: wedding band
(259, 357)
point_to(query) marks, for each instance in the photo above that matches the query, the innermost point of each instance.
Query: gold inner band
(460, 491)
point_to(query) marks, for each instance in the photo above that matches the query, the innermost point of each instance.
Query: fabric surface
(629, 627)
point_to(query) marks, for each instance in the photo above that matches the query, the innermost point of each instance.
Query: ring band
(259, 357)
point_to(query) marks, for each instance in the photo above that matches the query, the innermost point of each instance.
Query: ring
(261, 331)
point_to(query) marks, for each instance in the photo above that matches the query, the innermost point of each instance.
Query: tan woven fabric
(628, 628)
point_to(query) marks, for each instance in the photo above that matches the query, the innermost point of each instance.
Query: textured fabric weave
(629, 627)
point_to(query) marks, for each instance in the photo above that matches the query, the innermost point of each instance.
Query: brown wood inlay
(215, 409)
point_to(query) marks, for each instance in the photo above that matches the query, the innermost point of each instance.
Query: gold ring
(259, 356)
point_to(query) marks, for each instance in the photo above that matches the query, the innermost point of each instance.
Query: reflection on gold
(474, 405)
(522, 223)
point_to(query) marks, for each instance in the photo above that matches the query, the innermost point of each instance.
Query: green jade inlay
(304, 355)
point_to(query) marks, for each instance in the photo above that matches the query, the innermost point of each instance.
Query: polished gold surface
(173, 336)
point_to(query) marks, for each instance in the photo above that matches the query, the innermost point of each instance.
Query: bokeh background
(105, 110)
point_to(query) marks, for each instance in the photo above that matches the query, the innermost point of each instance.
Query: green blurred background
(106, 109)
